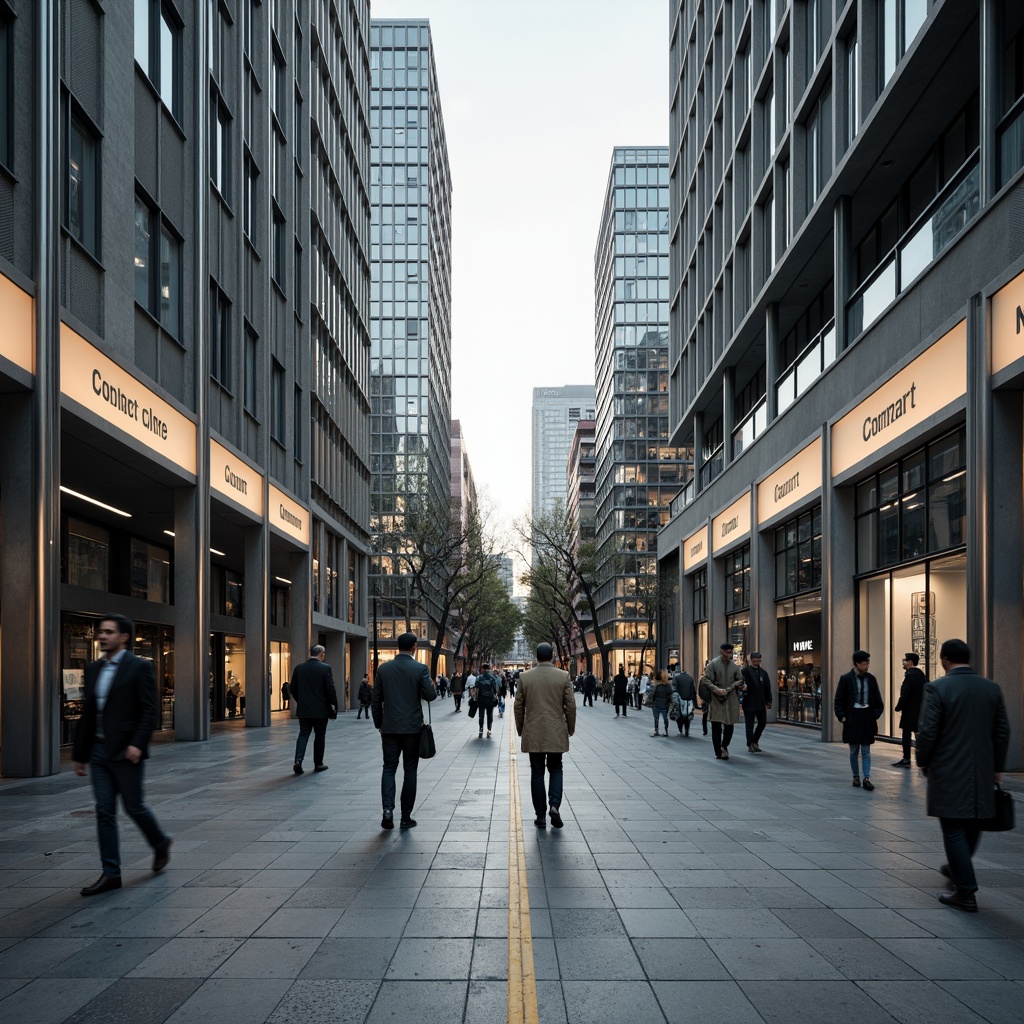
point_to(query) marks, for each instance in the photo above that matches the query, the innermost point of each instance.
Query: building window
(277, 402)
(700, 595)
(914, 507)
(278, 247)
(158, 50)
(737, 579)
(899, 21)
(251, 355)
(150, 572)
(220, 336)
(819, 146)
(88, 561)
(220, 146)
(143, 254)
(768, 235)
(297, 425)
(852, 89)
(159, 293)
(798, 555)
(817, 15)
(82, 184)
(6, 64)
(249, 198)
(279, 86)
(1010, 130)
(216, 37)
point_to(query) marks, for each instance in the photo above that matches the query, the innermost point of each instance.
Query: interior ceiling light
(281, 579)
(93, 501)
(214, 551)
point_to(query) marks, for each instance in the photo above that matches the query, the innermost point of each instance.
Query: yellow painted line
(522, 983)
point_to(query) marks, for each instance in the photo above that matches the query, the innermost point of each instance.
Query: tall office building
(410, 308)
(463, 484)
(162, 318)
(556, 412)
(846, 332)
(581, 470)
(638, 472)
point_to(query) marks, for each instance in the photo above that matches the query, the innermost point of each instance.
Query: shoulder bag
(427, 746)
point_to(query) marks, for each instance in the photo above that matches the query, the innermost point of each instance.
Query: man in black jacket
(313, 691)
(961, 748)
(858, 705)
(486, 695)
(756, 699)
(398, 714)
(112, 738)
(619, 684)
(911, 696)
(684, 685)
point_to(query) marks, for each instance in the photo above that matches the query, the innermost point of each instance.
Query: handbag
(427, 746)
(472, 708)
(1003, 819)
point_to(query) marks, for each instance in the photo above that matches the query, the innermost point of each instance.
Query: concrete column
(257, 613)
(772, 369)
(728, 412)
(842, 280)
(764, 631)
(191, 621)
(988, 96)
(336, 659)
(301, 624)
(698, 450)
(360, 664)
(30, 740)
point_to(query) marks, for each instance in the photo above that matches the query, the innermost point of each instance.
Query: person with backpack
(486, 697)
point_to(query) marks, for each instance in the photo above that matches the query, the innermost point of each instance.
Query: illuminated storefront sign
(732, 524)
(288, 516)
(235, 479)
(1008, 324)
(790, 484)
(695, 549)
(17, 334)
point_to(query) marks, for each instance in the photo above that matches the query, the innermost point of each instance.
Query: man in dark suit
(756, 699)
(911, 697)
(112, 738)
(313, 691)
(397, 713)
(961, 748)
(858, 705)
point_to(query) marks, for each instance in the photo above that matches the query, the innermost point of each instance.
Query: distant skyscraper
(463, 486)
(503, 565)
(410, 302)
(556, 411)
(638, 473)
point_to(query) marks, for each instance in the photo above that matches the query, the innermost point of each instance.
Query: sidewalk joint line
(522, 983)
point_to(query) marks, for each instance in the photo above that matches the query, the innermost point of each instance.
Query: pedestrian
(642, 686)
(719, 688)
(661, 696)
(486, 697)
(589, 685)
(502, 694)
(112, 739)
(399, 687)
(756, 699)
(234, 691)
(961, 748)
(621, 685)
(313, 691)
(631, 689)
(545, 711)
(909, 704)
(458, 689)
(365, 697)
(686, 689)
(858, 705)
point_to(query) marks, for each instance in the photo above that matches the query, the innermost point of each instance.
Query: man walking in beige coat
(545, 712)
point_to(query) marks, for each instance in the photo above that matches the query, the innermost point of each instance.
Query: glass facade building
(638, 472)
(410, 307)
(555, 415)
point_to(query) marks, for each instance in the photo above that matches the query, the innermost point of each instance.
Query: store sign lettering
(730, 526)
(874, 425)
(234, 479)
(802, 645)
(781, 490)
(288, 516)
(113, 395)
(793, 482)
(1020, 319)
(695, 549)
(1008, 324)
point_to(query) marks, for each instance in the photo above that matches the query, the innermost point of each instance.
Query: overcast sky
(535, 94)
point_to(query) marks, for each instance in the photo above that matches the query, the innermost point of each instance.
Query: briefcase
(427, 747)
(1002, 820)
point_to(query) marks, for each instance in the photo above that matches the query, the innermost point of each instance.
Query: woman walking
(660, 697)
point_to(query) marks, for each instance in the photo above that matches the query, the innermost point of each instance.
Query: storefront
(730, 542)
(695, 568)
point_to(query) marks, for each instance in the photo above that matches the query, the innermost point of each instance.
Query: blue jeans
(960, 838)
(110, 777)
(864, 749)
(553, 797)
(317, 726)
(664, 714)
(404, 745)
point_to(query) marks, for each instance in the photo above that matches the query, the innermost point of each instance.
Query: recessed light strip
(93, 501)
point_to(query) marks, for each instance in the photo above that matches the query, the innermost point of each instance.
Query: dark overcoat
(962, 742)
(911, 698)
(859, 726)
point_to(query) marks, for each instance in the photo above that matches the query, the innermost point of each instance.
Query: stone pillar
(256, 602)
(772, 369)
(728, 412)
(989, 99)
(842, 279)
(191, 620)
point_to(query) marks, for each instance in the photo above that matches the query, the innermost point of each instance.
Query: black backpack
(485, 689)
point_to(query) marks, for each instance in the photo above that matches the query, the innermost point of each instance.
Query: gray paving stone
(350, 959)
(437, 923)
(157, 922)
(431, 959)
(490, 960)
(738, 924)
(493, 924)
(1005, 956)
(290, 922)
(880, 924)
(610, 1002)
(237, 1001)
(135, 1001)
(31, 958)
(935, 958)
(679, 960)
(371, 923)
(765, 959)
(811, 1002)
(862, 959)
(326, 1002)
(410, 1000)
(9, 985)
(106, 958)
(186, 958)
(919, 1002)
(583, 956)
(666, 924)
(50, 1000)
(227, 922)
(688, 1001)
(590, 898)
(487, 1002)
(997, 1001)
(592, 923)
(545, 960)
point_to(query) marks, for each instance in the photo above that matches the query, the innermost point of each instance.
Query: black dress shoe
(868, 785)
(407, 823)
(556, 818)
(297, 767)
(161, 855)
(320, 768)
(964, 901)
(105, 883)
(387, 821)
(541, 822)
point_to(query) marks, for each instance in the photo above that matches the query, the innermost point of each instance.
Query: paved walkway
(681, 888)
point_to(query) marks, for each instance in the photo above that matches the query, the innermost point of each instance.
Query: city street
(681, 888)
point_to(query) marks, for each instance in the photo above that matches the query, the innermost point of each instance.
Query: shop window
(88, 560)
(915, 506)
(150, 572)
(737, 579)
(234, 586)
(798, 554)
(279, 597)
(798, 678)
